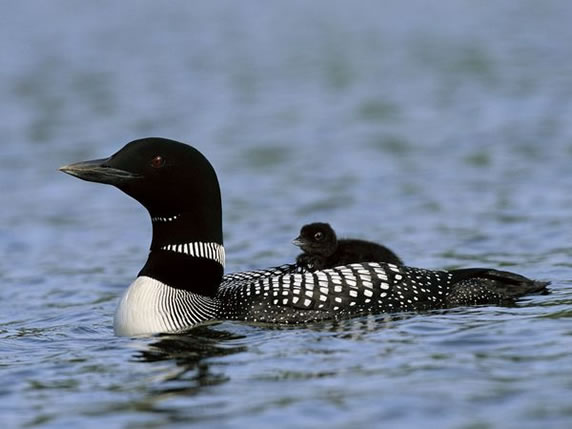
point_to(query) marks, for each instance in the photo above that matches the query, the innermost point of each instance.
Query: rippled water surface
(442, 129)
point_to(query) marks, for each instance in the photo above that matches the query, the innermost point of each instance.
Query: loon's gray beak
(298, 241)
(98, 170)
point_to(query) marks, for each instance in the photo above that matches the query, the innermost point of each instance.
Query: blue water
(441, 129)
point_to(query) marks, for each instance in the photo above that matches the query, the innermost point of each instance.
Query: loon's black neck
(187, 251)
(176, 227)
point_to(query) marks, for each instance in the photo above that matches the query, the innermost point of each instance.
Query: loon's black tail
(475, 286)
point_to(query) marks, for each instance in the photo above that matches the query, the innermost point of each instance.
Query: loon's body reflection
(191, 352)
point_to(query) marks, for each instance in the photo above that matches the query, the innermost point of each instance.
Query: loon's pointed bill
(183, 284)
(100, 171)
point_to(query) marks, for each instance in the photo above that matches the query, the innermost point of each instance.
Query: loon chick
(182, 284)
(322, 249)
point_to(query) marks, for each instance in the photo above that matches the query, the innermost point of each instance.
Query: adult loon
(322, 249)
(182, 282)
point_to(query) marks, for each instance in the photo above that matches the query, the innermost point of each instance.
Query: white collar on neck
(199, 249)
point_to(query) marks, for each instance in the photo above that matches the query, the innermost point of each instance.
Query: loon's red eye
(158, 162)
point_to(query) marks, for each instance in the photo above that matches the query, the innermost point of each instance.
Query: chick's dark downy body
(322, 249)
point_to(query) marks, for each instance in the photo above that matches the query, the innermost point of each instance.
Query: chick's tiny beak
(298, 241)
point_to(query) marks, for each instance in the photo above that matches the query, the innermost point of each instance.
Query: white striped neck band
(198, 249)
(165, 219)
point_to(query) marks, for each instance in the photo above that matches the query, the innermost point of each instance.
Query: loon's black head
(317, 238)
(179, 188)
(165, 176)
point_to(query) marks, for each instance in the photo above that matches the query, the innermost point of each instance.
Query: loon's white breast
(149, 306)
(139, 312)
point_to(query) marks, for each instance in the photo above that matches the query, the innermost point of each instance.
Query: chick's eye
(318, 236)
(158, 162)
